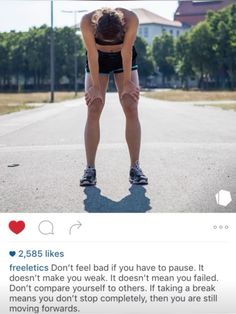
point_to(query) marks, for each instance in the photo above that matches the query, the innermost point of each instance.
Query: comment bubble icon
(46, 227)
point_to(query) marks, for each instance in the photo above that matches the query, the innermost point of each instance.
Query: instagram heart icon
(16, 226)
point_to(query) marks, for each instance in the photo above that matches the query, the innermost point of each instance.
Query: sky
(20, 15)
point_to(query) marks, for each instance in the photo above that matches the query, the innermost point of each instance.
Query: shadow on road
(135, 202)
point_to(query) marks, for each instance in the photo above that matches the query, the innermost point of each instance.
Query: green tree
(164, 55)
(37, 52)
(202, 52)
(66, 43)
(232, 46)
(3, 59)
(16, 56)
(25, 57)
(213, 48)
(184, 64)
(222, 24)
(144, 59)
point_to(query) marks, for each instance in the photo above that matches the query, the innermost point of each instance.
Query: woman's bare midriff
(112, 48)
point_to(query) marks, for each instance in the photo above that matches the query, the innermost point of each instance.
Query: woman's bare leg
(130, 108)
(92, 128)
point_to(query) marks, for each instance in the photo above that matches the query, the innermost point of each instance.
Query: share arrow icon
(75, 226)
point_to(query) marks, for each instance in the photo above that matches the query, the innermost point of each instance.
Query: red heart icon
(16, 226)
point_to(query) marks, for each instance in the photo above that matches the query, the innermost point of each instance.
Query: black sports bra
(108, 43)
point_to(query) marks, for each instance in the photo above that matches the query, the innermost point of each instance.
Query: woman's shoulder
(87, 20)
(88, 16)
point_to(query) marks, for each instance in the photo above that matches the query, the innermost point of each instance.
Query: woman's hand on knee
(93, 93)
(131, 89)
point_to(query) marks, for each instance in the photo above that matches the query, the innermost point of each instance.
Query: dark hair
(109, 23)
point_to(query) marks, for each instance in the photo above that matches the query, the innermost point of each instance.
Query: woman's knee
(95, 109)
(130, 106)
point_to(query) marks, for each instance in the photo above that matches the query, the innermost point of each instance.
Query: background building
(191, 12)
(152, 25)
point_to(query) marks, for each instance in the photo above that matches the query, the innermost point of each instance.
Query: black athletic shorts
(111, 62)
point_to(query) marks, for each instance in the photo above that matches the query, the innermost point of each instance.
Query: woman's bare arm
(94, 91)
(90, 44)
(126, 52)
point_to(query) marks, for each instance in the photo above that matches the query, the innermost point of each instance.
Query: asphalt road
(188, 153)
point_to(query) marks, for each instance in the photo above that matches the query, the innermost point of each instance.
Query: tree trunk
(200, 81)
(163, 80)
